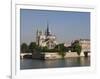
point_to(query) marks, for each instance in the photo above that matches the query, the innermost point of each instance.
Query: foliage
(24, 48)
(76, 47)
(32, 47)
(61, 49)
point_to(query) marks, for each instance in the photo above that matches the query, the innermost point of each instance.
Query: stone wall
(37, 55)
(55, 55)
(71, 54)
(52, 55)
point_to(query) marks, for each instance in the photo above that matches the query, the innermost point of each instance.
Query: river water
(58, 63)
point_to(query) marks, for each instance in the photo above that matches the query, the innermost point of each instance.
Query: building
(67, 44)
(46, 39)
(85, 44)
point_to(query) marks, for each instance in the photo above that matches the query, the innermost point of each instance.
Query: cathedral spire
(47, 30)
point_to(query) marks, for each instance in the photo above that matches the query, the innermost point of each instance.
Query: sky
(66, 25)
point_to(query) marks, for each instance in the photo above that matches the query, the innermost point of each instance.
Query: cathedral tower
(47, 30)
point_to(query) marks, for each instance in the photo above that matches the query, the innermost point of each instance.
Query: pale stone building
(46, 39)
(85, 43)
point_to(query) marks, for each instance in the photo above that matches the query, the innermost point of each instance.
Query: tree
(44, 49)
(76, 47)
(24, 48)
(32, 47)
(61, 49)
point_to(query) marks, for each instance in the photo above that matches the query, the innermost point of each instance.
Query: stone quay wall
(55, 55)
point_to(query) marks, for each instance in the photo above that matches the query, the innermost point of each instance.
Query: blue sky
(66, 25)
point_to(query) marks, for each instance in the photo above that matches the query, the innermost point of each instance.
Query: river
(58, 63)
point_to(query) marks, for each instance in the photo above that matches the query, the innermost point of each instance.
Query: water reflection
(69, 62)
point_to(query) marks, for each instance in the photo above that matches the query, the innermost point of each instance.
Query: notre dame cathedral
(46, 39)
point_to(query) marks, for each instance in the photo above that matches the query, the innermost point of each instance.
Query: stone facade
(85, 44)
(46, 39)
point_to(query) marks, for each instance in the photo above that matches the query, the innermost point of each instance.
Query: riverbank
(56, 55)
(57, 63)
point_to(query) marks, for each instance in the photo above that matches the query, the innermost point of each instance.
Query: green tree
(61, 49)
(44, 49)
(24, 48)
(76, 47)
(32, 47)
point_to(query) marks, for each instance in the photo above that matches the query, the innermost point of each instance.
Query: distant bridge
(23, 54)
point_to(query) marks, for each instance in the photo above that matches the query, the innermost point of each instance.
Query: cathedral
(46, 39)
